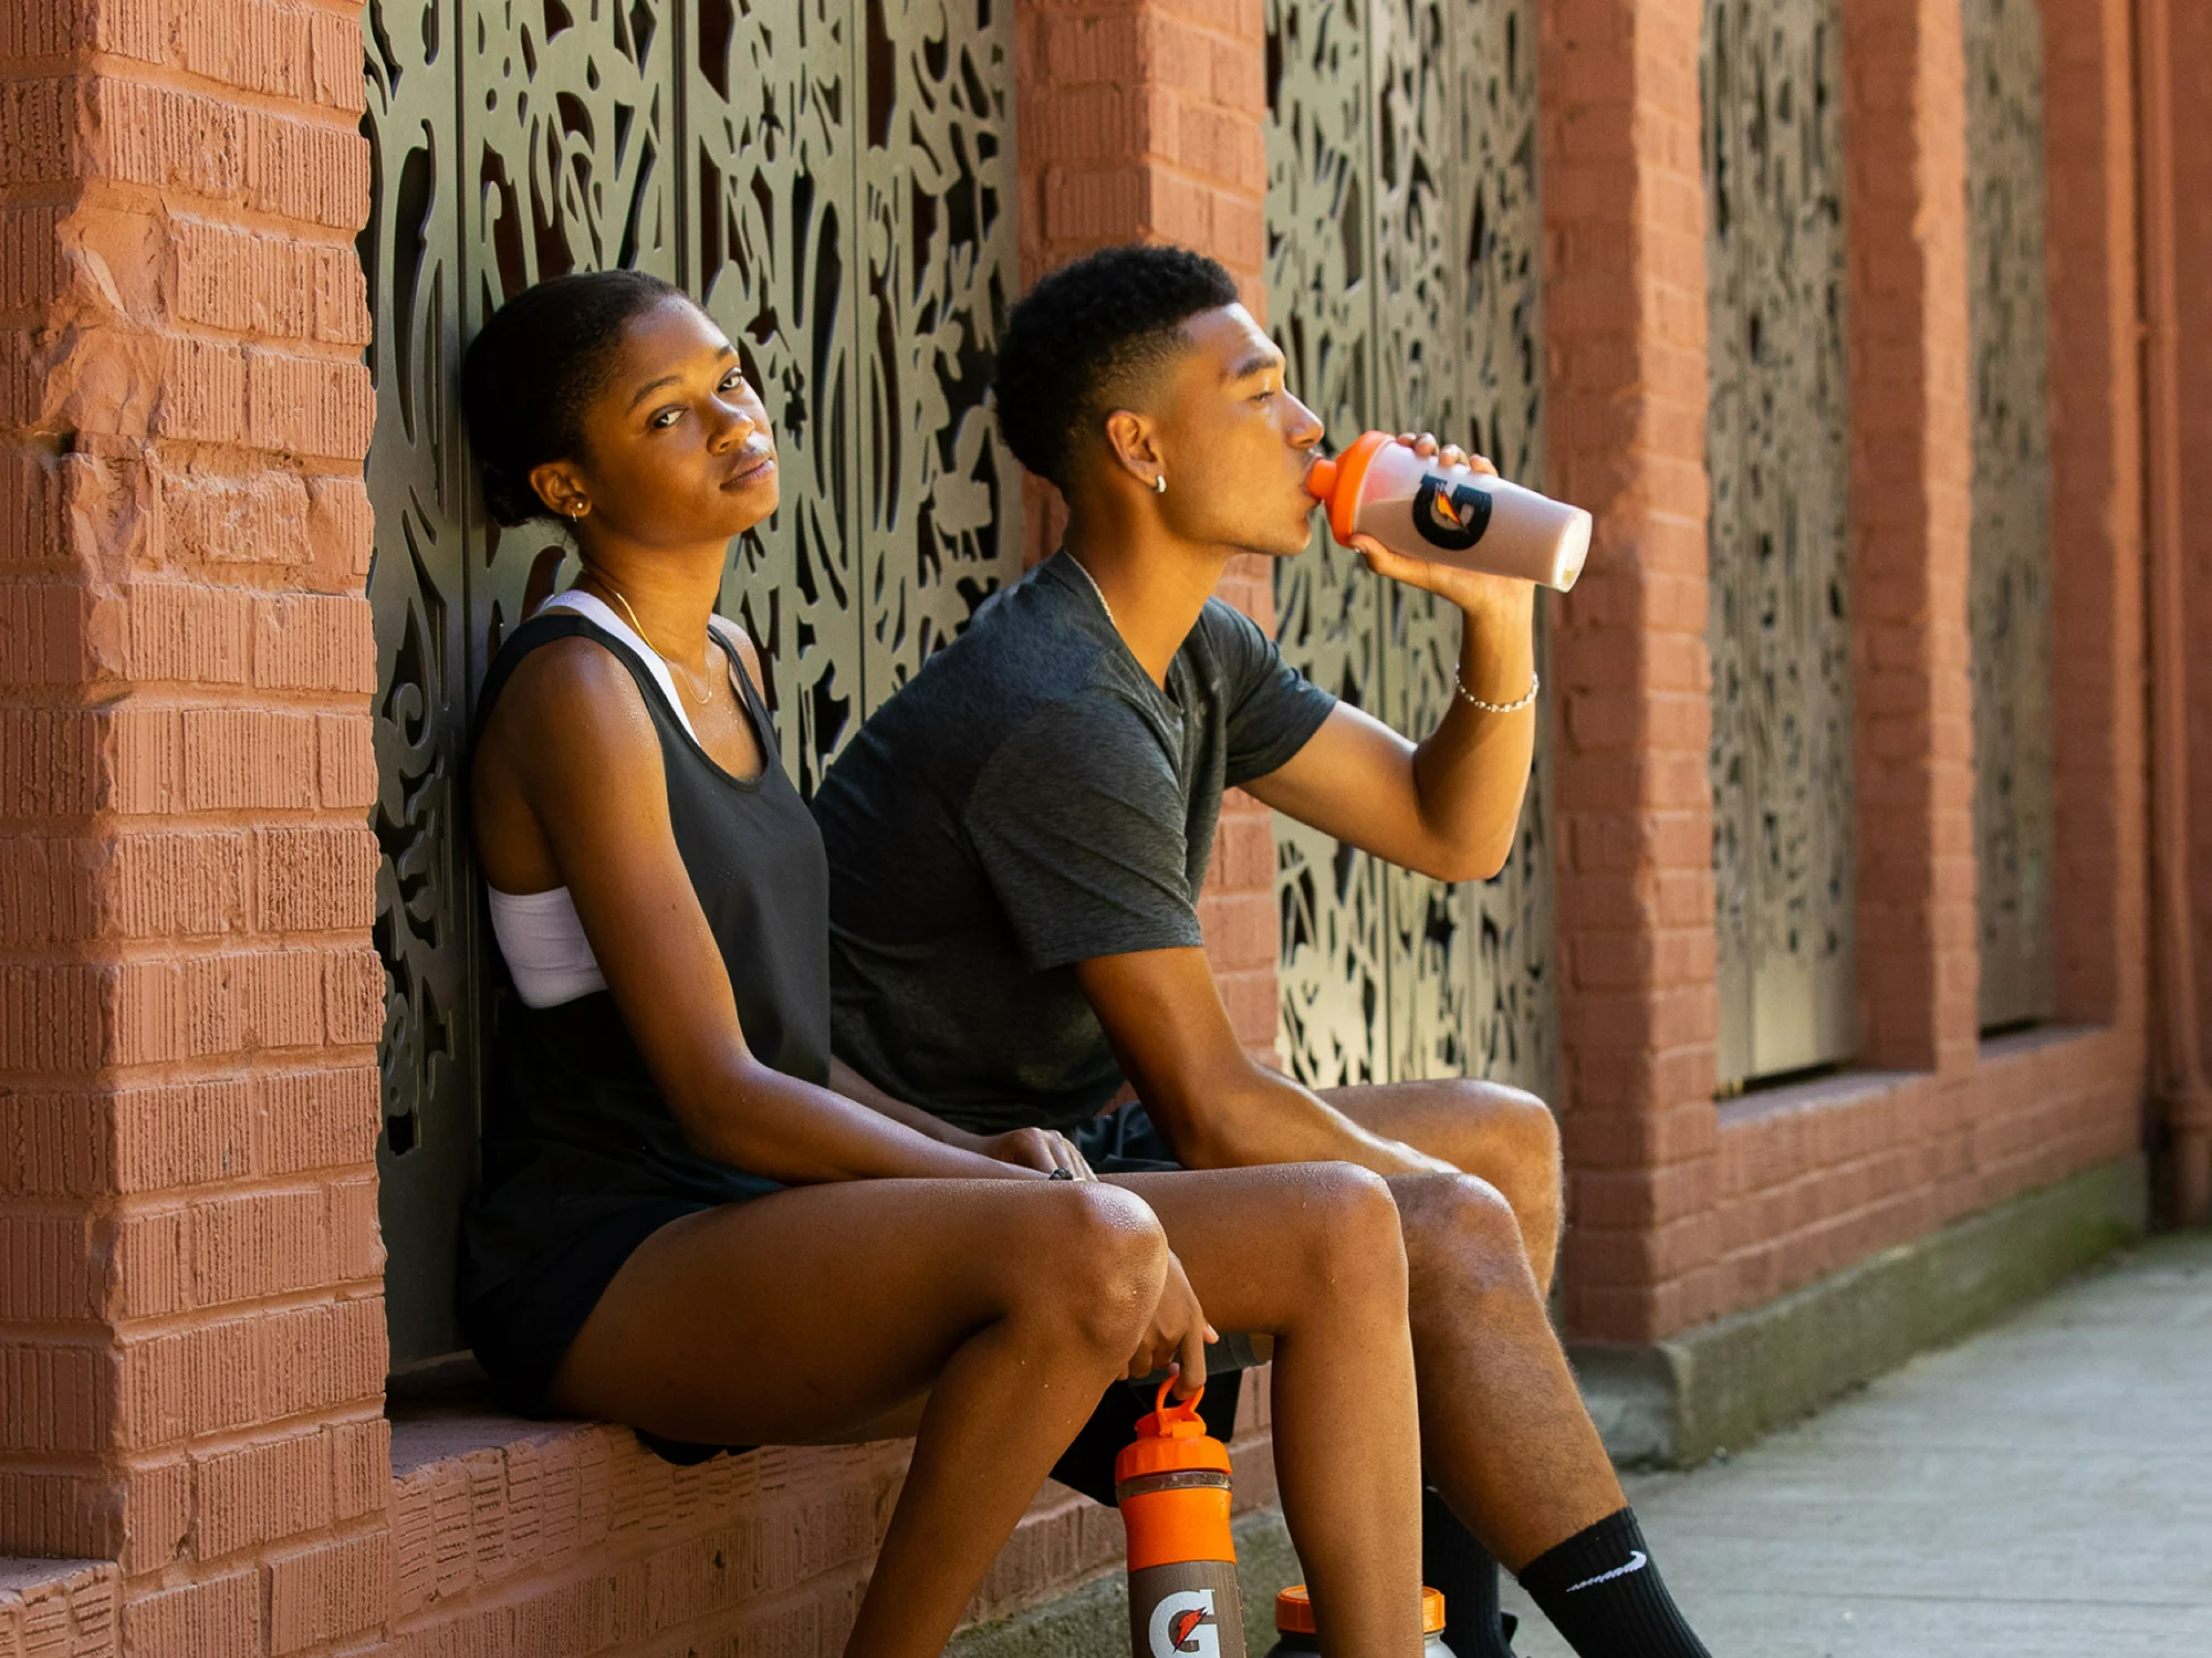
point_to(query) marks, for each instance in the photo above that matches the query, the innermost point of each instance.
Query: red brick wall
(2190, 61)
(1679, 1212)
(1142, 121)
(2096, 450)
(1624, 308)
(1814, 1179)
(192, 1335)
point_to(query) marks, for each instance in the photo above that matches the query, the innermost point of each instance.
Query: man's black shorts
(1122, 1140)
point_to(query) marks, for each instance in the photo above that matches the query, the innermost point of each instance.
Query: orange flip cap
(1170, 1439)
(1187, 1516)
(1337, 482)
(1294, 1611)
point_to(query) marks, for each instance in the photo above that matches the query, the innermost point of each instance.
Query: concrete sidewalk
(2045, 1488)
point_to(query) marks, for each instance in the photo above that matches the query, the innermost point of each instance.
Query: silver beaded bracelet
(1535, 684)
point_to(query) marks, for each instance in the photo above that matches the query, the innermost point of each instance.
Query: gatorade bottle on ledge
(1294, 1625)
(1416, 505)
(1172, 1487)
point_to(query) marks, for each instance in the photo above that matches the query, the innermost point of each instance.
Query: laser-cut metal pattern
(833, 178)
(566, 115)
(1402, 226)
(1778, 454)
(2009, 592)
(410, 254)
(937, 199)
(769, 110)
(1334, 966)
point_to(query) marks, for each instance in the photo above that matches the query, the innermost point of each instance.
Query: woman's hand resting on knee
(1177, 1335)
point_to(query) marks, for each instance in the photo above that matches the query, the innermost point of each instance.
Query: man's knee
(1526, 1131)
(1460, 1229)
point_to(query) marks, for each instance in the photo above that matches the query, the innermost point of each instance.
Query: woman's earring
(1160, 484)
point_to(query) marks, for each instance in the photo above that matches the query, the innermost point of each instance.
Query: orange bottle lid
(1338, 481)
(1294, 1611)
(1171, 1439)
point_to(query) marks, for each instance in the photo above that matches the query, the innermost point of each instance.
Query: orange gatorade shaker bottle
(1416, 505)
(1172, 1486)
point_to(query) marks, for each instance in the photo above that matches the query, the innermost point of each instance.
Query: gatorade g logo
(1183, 1625)
(1454, 522)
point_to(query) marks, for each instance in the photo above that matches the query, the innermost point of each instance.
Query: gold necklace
(705, 696)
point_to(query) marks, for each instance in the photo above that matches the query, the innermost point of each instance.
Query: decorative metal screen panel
(1777, 447)
(833, 178)
(2009, 601)
(1403, 283)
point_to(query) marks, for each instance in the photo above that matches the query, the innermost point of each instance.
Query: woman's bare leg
(817, 1313)
(1312, 1254)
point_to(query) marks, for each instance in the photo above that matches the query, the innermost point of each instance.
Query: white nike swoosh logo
(1637, 1562)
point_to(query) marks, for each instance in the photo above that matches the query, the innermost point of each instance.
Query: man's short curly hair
(1083, 341)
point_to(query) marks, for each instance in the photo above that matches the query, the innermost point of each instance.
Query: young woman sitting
(686, 1222)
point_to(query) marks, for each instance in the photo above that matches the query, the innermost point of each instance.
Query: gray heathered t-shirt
(1031, 801)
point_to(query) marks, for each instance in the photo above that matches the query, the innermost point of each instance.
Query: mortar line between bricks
(248, 1067)
(180, 949)
(141, 1205)
(217, 1442)
(193, 695)
(93, 63)
(159, 204)
(292, 348)
(38, 192)
(44, 1465)
(159, 1326)
(155, 1072)
(82, 1333)
(156, 447)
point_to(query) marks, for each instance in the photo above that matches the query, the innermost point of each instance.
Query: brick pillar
(2189, 55)
(1625, 310)
(2098, 892)
(191, 1330)
(1143, 123)
(1912, 523)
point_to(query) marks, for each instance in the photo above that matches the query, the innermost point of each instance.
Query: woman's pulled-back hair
(1081, 342)
(534, 368)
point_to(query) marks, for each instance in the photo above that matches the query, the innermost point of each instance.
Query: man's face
(1237, 445)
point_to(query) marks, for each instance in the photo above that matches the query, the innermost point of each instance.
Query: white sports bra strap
(594, 609)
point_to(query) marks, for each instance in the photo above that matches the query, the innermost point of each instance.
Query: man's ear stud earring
(1160, 484)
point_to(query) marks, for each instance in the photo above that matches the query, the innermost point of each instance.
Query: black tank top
(575, 1131)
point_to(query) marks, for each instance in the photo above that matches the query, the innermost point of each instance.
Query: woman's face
(677, 449)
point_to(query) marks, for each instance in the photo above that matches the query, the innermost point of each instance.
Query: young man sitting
(1016, 842)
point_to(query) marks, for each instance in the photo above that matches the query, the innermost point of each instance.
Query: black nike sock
(1456, 1565)
(1602, 1592)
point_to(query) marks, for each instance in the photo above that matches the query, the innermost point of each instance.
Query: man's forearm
(1471, 771)
(1265, 1117)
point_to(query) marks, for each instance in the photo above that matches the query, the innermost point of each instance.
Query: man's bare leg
(1505, 1135)
(1504, 1435)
